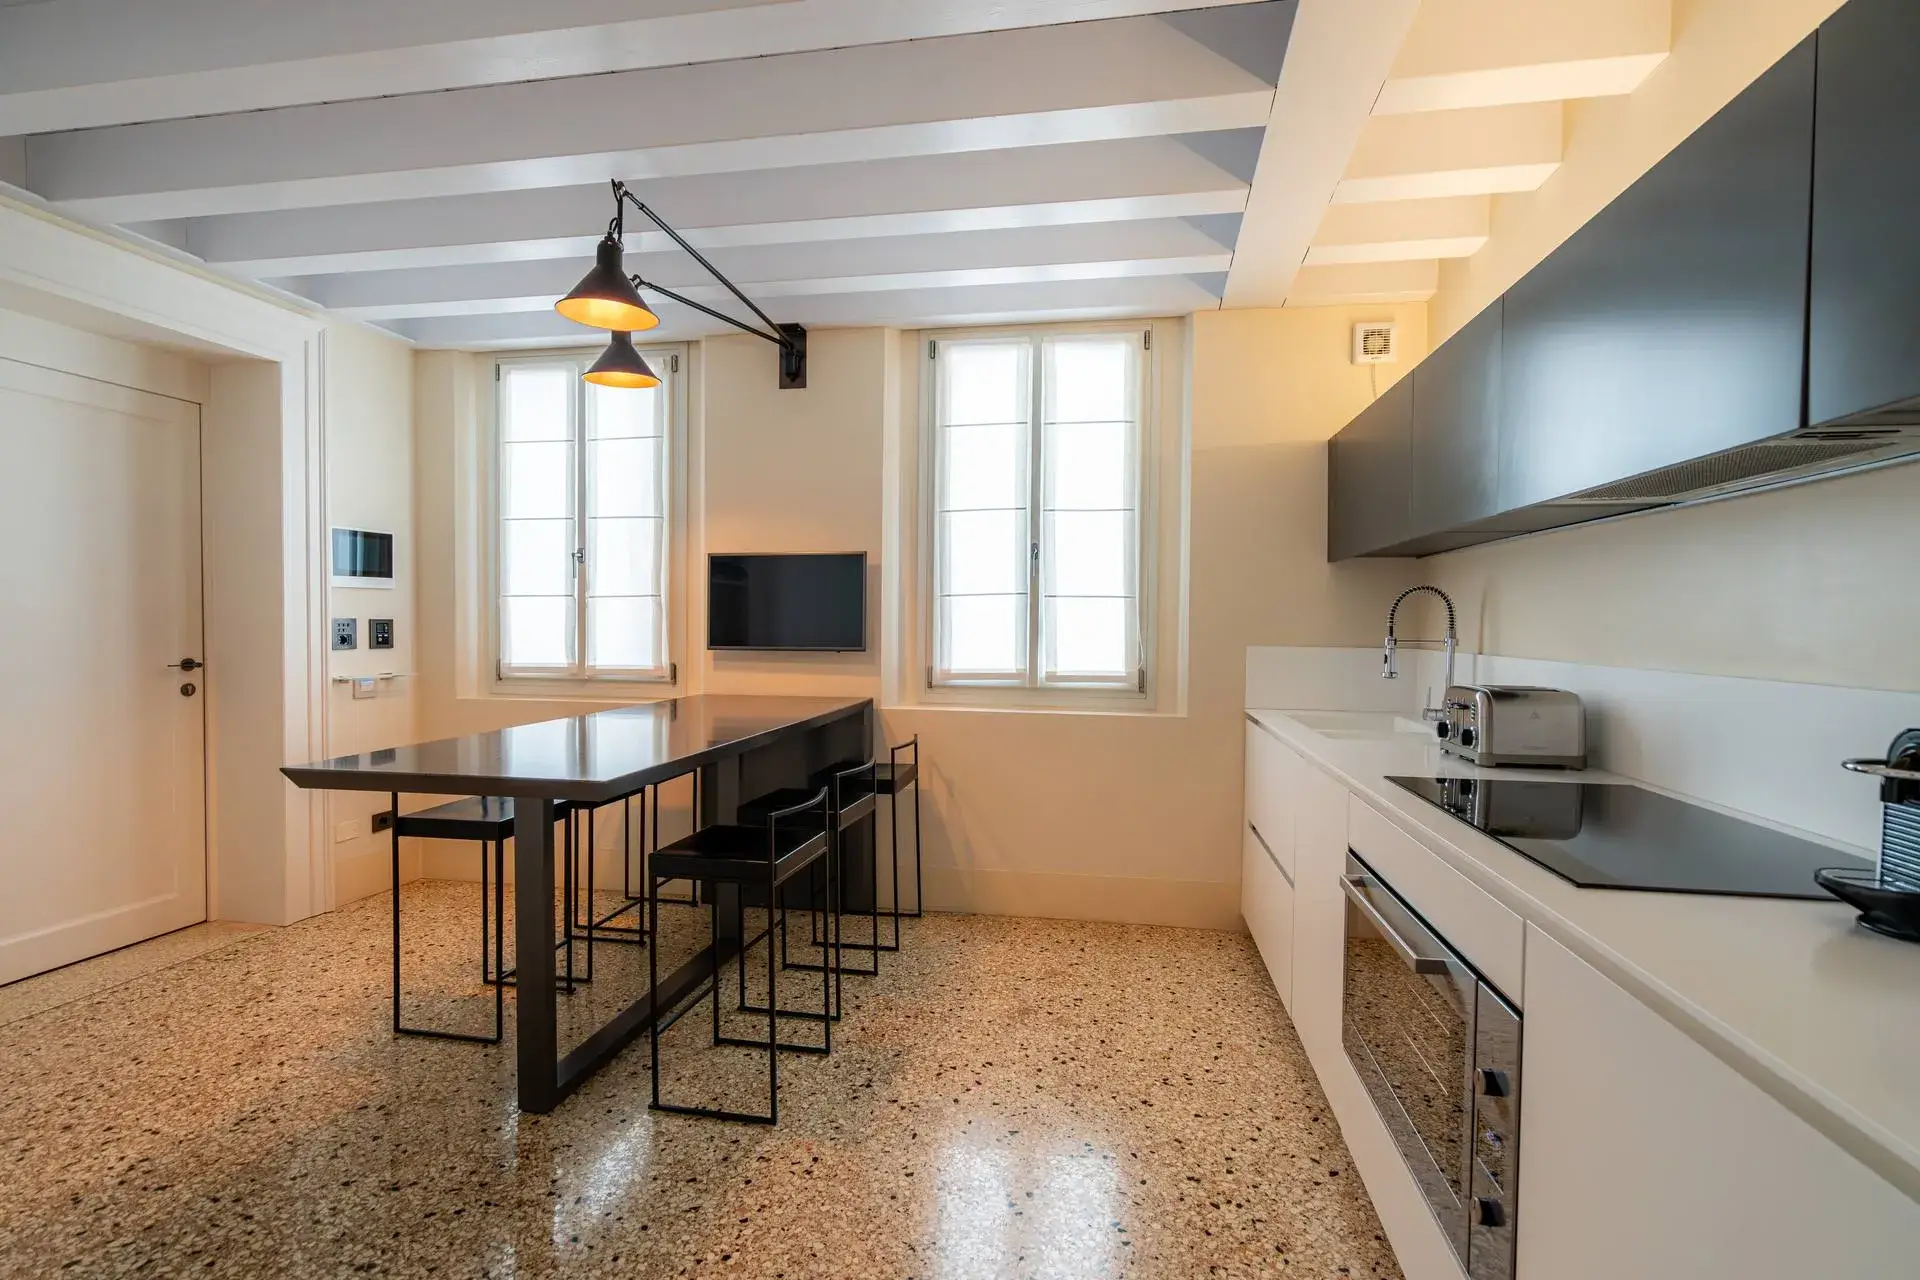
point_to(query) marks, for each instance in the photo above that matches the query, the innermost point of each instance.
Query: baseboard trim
(1190, 904)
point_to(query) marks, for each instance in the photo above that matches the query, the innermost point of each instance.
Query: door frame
(263, 526)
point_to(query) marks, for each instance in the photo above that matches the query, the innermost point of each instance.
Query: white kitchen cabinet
(1272, 773)
(1642, 1154)
(1319, 913)
(1266, 900)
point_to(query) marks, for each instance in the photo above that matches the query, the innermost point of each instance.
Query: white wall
(368, 409)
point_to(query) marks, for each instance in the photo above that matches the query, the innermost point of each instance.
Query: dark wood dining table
(741, 746)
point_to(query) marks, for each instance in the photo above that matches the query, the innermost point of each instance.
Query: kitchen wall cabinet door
(1864, 312)
(1642, 1154)
(1456, 427)
(1672, 325)
(1369, 477)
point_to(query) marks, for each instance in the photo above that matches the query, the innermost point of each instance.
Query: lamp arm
(685, 301)
(624, 197)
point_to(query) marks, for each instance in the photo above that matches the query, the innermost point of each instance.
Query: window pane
(536, 480)
(1089, 553)
(625, 632)
(619, 412)
(1089, 379)
(623, 558)
(624, 477)
(983, 382)
(985, 635)
(983, 467)
(983, 552)
(536, 631)
(536, 402)
(535, 557)
(1089, 464)
(1088, 637)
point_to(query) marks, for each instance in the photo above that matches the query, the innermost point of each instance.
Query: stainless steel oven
(1439, 1052)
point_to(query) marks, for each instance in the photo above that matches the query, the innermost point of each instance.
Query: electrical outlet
(346, 633)
(351, 829)
(379, 633)
(383, 820)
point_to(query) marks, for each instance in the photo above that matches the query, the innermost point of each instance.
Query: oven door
(1408, 1026)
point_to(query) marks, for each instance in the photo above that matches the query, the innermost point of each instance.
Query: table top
(594, 757)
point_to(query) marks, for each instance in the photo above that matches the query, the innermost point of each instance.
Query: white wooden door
(102, 756)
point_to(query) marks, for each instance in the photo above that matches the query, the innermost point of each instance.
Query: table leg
(535, 1005)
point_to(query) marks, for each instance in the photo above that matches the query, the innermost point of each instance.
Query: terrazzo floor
(1017, 1098)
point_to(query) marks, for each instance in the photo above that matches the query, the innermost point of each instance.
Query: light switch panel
(379, 633)
(346, 633)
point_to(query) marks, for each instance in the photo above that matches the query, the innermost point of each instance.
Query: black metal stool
(751, 858)
(489, 821)
(892, 780)
(601, 928)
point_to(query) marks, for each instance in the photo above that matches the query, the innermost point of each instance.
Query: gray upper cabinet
(1368, 477)
(1672, 325)
(1864, 312)
(1456, 415)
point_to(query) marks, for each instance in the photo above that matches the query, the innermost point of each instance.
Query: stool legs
(498, 915)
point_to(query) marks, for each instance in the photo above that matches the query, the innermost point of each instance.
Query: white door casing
(102, 759)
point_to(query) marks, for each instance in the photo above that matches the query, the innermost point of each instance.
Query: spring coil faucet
(1389, 671)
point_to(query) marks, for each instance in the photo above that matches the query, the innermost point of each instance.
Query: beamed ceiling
(439, 167)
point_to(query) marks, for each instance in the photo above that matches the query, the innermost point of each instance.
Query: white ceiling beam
(1402, 231)
(987, 304)
(1132, 178)
(1435, 154)
(168, 59)
(1484, 53)
(1381, 282)
(1023, 255)
(1338, 56)
(1129, 77)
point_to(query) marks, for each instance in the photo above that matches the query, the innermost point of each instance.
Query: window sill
(1110, 702)
(581, 689)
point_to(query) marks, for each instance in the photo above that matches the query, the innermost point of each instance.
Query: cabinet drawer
(1492, 938)
(1266, 901)
(1272, 783)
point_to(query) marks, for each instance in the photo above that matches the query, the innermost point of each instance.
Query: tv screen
(787, 602)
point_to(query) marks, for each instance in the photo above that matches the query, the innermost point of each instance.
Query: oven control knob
(1488, 1212)
(1442, 730)
(1467, 735)
(1493, 1082)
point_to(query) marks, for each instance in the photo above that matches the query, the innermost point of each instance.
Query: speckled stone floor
(1016, 1098)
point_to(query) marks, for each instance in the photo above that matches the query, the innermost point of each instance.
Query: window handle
(579, 555)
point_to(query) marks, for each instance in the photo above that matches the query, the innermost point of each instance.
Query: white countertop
(1821, 1014)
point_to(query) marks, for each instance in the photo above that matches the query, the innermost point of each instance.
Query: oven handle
(1355, 886)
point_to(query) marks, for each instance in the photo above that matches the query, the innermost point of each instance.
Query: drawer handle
(1354, 887)
(1272, 857)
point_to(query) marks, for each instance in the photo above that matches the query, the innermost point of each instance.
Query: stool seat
(754, 812)
(738, 854)
(472, 818)
(889, 779)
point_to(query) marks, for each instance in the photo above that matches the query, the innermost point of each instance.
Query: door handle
(1413, 959)
(186, 664)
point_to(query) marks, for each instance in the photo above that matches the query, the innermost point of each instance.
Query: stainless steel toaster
(1514, 724)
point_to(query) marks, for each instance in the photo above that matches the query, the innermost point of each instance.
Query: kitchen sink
(1359, 724)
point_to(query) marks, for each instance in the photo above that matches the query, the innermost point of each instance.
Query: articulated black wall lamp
(608, 298)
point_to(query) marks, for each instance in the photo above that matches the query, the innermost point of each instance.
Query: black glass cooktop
(1615, 835)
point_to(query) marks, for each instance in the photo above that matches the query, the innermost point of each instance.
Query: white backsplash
(1764, 747)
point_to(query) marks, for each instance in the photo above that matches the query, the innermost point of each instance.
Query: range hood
(1790, 459)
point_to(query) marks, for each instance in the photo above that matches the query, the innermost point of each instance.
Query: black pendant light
(605, 298)
(621, 366)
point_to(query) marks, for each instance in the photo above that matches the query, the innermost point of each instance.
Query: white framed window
(1036, 497)
(584, 522)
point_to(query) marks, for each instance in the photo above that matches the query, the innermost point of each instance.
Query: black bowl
(1883, 908)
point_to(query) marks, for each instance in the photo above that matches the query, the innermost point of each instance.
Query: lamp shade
(621, 366)
(605, 298)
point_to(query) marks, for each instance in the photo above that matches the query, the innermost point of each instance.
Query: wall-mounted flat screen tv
(816, 602)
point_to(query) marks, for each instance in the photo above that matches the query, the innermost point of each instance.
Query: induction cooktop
(1614, 835)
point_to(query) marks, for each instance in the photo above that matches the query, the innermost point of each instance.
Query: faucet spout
(1389, 669)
